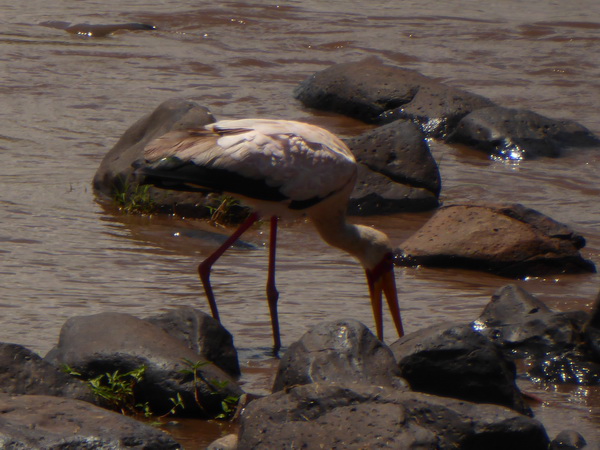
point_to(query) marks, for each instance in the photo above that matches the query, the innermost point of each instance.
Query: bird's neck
(337, 232)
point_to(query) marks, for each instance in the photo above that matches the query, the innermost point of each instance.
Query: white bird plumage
(277, 167)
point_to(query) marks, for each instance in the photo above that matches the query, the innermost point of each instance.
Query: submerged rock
(508, 240)
(377, 93)
(520, 134)
(568, 440)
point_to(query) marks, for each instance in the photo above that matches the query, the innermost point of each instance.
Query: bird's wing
(259, 158)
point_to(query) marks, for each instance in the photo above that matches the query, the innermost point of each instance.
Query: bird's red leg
(206, 265)
(272, 293)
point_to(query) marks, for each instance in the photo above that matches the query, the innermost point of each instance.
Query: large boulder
(396, 171)
(506, 239)
(455, 361)
(25, 372)
(377, 93)
(519, 134)
(104, 343)
(327, 415)
(202, 334)
(45, 422)
(344, 351)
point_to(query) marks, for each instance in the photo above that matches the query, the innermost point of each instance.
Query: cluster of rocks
(448, 386)
(377, 93)
(451, 385)
(396, 169)
(187, 358)
(397, 174)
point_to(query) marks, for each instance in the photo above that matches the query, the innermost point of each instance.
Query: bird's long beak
(381, 280)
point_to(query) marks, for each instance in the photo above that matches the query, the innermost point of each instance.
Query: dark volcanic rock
(103, 343)
(116, 171)
(555, 343)
(456, 361)
(322, 415)
(377, 93)
(344, 352)
(568, 440)
(519, 134)
(396, 170)
(24, 372)
(202, 334)
(45, 422)
(592, 329)
(524, 326)
(509, 240)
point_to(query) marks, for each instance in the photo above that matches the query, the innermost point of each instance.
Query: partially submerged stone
(378, 93)
(555, 345)
(508, 240)
(46, 422)
(116, 174)
(329, 415)
(523, 325)
(104, 343)
(518, 134)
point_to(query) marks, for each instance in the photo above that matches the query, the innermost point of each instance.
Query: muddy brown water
(66, 99)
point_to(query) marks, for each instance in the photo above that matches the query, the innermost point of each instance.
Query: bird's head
(378, 262)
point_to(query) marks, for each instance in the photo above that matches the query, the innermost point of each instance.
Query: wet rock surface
(378, 93)
(103, 343)
(47, 422)
(519, 134)
(556, 345)
(97, 30)
(396, 171)
(357, 416)
(453, 360)
(446, 386)
(344, 351)
(508, 240)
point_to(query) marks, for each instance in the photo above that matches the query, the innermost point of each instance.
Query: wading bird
(277, 167)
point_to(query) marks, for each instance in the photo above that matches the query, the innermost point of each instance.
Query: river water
(67, 98)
